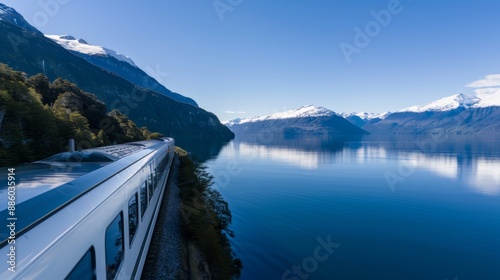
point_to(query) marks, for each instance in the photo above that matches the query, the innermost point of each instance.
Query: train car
(83, 215)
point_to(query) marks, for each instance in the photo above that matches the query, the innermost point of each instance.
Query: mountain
(80, 46)
(446, 104)
(307, 120)
(114, 62)
(360, 119)
(302, 112)
(456, 114)
(29, 51)
(11, 16)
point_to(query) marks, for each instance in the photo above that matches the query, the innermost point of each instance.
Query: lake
(370, 208)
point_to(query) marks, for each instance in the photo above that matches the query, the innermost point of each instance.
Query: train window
(155, 177)
(133, 217)
(114, 247)
(85, 268)
(144, 201)
(150, 185)
(158, 173)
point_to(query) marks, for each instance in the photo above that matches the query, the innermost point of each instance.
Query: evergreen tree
(70, 101)
(41, 84)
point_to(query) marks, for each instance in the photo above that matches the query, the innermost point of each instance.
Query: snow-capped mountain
(446, 104)
(482, 100)
(11, 16)
(302, 112)
(360, 119)
(306, 120)
(114, 62)
(456, 114)
(79, 45)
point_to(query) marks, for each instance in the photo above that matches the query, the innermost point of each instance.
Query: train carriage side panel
(53, 248)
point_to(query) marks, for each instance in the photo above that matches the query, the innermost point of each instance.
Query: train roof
(47, 185)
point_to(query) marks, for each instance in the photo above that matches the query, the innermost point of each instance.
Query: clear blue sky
(267, 56)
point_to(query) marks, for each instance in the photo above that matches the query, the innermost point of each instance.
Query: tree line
(38, 117)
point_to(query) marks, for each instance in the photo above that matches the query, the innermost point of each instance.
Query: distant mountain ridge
(114, 62)
(79, 45)
(365, 115)
(306, 120)
(361, 118)
(456, 114)
(456, 101)
(305, 111)
(484, 121)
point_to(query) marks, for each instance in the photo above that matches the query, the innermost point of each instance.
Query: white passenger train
(85, 215)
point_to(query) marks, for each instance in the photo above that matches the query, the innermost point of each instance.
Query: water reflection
(443, 164)
(300, 158)
(476, 161)
(201, 149)
(486, 176)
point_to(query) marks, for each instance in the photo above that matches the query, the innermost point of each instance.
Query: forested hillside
(38, 117)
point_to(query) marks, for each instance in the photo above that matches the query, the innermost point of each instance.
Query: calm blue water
(368, 209)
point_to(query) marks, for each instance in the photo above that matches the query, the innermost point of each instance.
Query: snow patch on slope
(365, 115)
(302, 112)
(489, 97)
(79, 45)
(5, 9)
